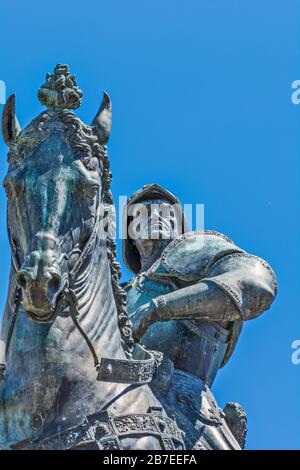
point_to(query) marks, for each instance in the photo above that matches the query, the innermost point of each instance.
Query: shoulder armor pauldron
(190, 256)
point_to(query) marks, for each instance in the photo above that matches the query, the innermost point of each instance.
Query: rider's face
(155, 219)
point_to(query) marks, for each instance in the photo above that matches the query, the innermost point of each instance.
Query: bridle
(138, 370)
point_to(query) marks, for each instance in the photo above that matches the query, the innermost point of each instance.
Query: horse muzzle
(40, 293)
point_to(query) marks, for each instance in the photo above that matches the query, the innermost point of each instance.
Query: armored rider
(189, 298)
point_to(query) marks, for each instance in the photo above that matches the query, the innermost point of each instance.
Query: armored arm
(237, 286)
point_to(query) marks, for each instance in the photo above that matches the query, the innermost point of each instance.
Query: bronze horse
(65, 306)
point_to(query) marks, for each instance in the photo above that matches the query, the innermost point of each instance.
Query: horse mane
(88, 149)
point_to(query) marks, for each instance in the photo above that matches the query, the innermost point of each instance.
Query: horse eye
(91, 191)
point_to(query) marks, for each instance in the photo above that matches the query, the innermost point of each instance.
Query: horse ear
(102, 120)
(10, 125)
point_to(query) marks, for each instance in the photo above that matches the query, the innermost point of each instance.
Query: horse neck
(97, 306)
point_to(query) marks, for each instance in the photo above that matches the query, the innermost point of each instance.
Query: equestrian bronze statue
(84, 362)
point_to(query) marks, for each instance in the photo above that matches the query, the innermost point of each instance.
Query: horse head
(57, 179)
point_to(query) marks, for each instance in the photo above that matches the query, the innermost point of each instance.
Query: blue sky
(201, 95)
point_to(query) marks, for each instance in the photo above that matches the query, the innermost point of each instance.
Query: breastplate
(194, 346)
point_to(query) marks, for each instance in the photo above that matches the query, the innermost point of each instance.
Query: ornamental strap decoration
(102, 431)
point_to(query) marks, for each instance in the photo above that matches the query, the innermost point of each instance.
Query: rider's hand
(142, 318)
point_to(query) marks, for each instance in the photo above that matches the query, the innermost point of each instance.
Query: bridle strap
(89, 244)
(72, 299)
(17, 301)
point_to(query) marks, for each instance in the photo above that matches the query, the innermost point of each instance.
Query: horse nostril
(54, 283)
(21, 280)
